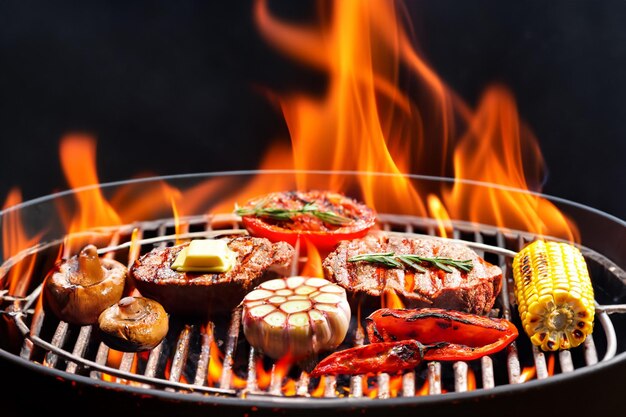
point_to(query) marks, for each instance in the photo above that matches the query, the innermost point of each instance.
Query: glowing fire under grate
(211, 357)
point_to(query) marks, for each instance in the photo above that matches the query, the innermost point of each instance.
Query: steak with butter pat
(473, 292)
(202, 294)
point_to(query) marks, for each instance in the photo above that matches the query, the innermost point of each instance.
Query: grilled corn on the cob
(554, 294)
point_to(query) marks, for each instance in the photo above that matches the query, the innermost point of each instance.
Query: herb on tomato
(286, 214)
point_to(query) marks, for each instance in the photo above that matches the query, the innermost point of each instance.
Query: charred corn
(554, 294)
(299, 316)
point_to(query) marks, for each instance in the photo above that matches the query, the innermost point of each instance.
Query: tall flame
(346, 129)
(15, 240)
(365, 122)
(78, 160)
(498, 149)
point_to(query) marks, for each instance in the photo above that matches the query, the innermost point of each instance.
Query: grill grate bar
(330, 385)
(383, 385)
(251, 383)
(180, 354)
(35, 330)
(565, 359)
(126, 365)
(205, 357)
(434, 377)
(127, 361)
(302, 386)
(275, 381)
(460, 376)
(79, 347)
(57, 340)
(233, 335)
(101, 358)
(486, 364)
(540, 363)
(153, 360)
(408, 384)
(591, 355)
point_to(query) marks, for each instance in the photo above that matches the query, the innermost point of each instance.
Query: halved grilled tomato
(324, 218)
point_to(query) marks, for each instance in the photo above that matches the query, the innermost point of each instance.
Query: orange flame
(395, 385)
(15, 240)
(313, 265)
(263, 377)
(167, 372)
(178, 228)
(527, 374)
(318, 391)
(471, 380)
(424, 390)
(390, 299)
(216, 367)
(278, 157)
(498, 149)
(78, 160)
(355, 121)
(364, 122)
(551, 364)
(114, 360)
(280, 370)
(438, 212)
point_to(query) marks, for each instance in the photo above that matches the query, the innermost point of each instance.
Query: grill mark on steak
(193, 293)
(473, 291)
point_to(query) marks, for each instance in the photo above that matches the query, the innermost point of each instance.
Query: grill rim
(254, 172)
(265, 401)
(268, 401)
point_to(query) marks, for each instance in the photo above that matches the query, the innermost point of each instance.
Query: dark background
(173, 87)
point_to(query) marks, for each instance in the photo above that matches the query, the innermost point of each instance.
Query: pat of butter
(205, 255)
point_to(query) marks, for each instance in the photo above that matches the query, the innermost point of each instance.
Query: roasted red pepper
(376, 357)
(443, 336)
(433, 325)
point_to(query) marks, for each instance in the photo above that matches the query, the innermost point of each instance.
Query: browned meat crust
(473, 292)
(203, 294)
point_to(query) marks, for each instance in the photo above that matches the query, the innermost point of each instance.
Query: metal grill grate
(182, 362)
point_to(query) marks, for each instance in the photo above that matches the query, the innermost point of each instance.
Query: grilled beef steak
(473, 291)
(201, 294)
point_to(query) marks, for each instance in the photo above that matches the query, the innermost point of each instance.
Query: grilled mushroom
(133, 324)
(78, 290)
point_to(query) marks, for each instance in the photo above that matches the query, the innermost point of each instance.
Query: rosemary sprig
(286, 214)
(401, 261)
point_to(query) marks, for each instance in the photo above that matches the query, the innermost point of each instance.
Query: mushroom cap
(78, 304)
(133, 324)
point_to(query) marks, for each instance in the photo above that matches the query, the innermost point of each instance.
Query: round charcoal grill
(180, 371)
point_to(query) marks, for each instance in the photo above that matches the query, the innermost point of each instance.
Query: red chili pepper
(377, 357)
(433, 325)
(394, 357)
(443, 336)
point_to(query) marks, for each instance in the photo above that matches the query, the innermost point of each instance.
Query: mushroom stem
(132, 308)
(90, 270)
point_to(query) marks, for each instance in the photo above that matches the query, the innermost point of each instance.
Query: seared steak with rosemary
(198, 293)
(422, 272)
